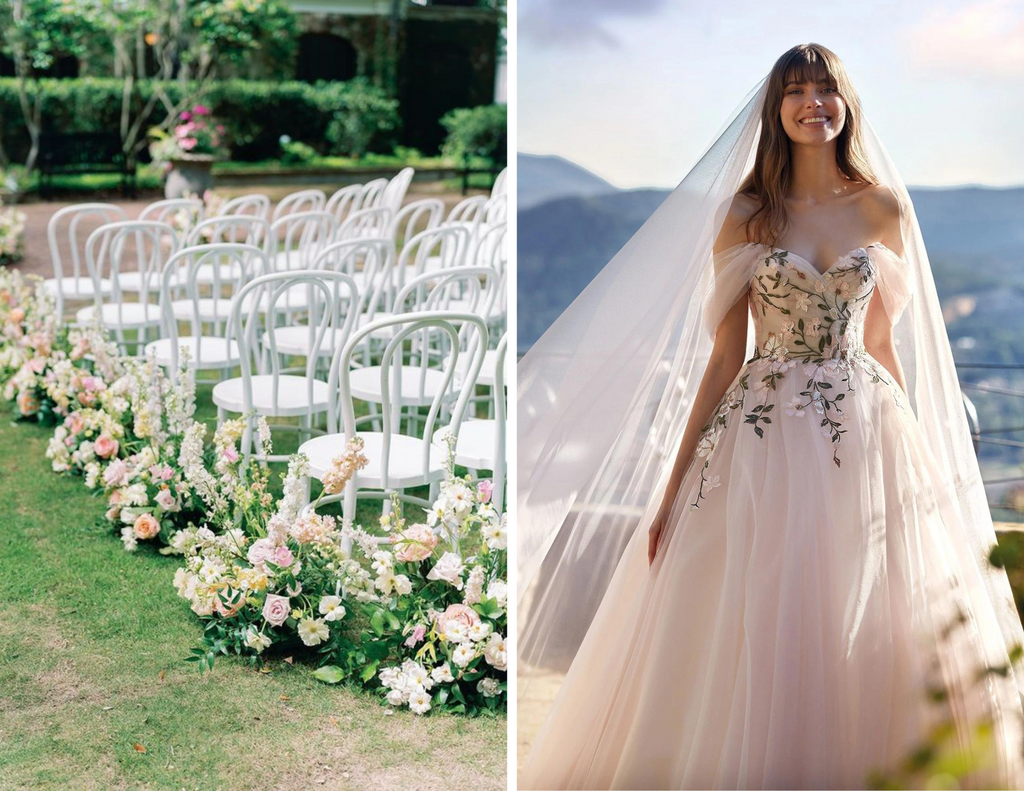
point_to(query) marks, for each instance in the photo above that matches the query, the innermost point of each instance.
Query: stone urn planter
(189, 174)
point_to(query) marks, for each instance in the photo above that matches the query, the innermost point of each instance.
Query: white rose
(449, 568)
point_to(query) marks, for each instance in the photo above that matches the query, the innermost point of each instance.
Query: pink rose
(114, 513)
(166, 500)
(115, 496)
(106, 447)
(230, 453)
(457, 613)
(415, 543)
(283, 557)
(484, 489)
(185, 115)
(276, 609)
(75, 423)
(200, 109)
(37, 365)
(159, 473)
(187, 143)
(260, 552)
(417, 634)
(116, 474)
(85, 398)
(90, 384)
(146, 526)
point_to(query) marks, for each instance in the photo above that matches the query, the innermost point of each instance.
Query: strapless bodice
(801, 313)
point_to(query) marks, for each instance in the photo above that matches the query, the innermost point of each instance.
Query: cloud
(983, 39)
(579, 22)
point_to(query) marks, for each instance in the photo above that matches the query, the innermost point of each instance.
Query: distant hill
(545, 178)
(974, 236)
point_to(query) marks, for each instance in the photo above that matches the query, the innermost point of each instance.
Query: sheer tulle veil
(605, 394)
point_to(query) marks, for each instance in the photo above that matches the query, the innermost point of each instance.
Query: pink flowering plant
(439, 639)
(270, 573)
(196, 134)
(148, 496)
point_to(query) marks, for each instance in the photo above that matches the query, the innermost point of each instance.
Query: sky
(636, 90)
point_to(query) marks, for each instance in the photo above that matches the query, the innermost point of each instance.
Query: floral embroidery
(815, 319)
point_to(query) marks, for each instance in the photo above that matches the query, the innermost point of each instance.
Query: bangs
(809, 66)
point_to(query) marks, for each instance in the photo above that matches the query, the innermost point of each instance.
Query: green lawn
(94, 692)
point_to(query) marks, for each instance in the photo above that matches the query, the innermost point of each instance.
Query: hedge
(342, 118)
(477, 132)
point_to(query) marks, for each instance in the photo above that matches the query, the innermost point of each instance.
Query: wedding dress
(807, 594)
(822, 599)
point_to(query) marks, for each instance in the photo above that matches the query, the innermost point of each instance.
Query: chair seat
(132, 281)
(295, 340)
(76, 287)
(127, 315)
(209, 309)
(405, 461)
(204, 353)
(489, 368)
(477, 444)
(365, 383)
(226, 273)
(294, 298)
(292, 395)
(290, 260)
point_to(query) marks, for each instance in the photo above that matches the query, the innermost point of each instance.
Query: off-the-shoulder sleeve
(894, 281)
(726, 281)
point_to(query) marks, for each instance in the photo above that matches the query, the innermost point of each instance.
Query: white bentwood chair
(397, 462)
(76, 284)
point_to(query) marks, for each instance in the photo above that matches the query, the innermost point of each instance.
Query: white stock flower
(128, 537)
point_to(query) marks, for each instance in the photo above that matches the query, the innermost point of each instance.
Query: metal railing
(985, 436)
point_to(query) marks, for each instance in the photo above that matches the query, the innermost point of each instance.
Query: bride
(762, 569)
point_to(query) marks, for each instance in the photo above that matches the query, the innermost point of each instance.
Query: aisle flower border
(418, 611)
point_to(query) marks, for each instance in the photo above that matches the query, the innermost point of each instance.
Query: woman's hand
(655, 533)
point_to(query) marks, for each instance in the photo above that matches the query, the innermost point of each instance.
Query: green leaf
(393, 622)
(329, 674)
(368, 672)
(377, 622)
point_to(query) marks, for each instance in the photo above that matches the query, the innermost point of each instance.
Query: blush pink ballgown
(807, 593)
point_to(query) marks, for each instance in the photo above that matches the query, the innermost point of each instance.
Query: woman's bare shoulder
(734, 227)
(882, 210)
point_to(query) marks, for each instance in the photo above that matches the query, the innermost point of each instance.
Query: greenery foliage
(477, 132)
(255, 114)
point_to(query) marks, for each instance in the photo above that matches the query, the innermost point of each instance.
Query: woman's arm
(725, 361)
(884, 212)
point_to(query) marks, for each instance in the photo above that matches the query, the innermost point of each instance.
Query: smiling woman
(753, 538)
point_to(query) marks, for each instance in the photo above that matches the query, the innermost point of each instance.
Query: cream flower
(313, 631)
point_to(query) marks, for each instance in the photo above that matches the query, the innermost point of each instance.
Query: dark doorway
(325, 56)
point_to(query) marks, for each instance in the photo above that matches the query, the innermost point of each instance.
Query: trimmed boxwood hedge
(342, 118)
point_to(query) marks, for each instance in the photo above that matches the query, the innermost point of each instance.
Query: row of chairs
(261, 289)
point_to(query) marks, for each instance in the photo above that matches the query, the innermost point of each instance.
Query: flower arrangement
(12, 231)
(85, 442)
(62, 371)
(446, 603)
(148, 495)
(27, 321)
(272, 576)
(197, 135)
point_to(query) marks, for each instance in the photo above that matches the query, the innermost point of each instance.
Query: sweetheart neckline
(819, 273)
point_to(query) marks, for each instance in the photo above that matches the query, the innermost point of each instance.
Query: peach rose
(75, 422)
(106, 447)
(28, 404)
(18, 315)
(146, 526)
(415, 543)
(459, 613)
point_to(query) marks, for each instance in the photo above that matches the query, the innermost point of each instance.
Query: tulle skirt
(806, 622)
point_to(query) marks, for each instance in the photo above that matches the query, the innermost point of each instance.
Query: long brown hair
(769, 181)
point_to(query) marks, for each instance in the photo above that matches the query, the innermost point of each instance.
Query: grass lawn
(94, 692)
